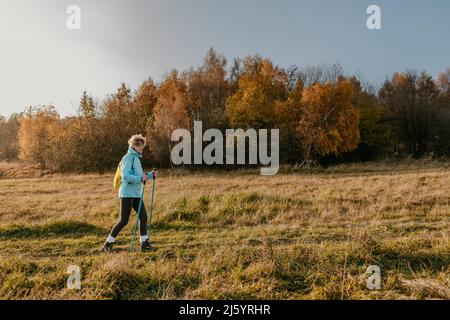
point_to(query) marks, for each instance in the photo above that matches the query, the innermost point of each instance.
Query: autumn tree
(37, 127)
(260, 86)
(207, 90)
(82, 138)
(141, 113)
(170, 113)
(124, 114)
(87, 107)
(287, 115)
(329, 122)
(144, 102)
(118, 124)
(61, 152)
(9, 129)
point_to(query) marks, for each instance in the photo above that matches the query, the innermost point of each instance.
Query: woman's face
(139, 149)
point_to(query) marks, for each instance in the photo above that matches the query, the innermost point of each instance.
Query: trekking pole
(151, 203)
(137, 216)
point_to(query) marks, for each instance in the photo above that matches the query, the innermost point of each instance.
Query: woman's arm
(127, 171)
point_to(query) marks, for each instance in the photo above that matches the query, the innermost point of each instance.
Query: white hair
(137, 140)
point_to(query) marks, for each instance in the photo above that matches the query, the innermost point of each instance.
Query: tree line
(323, 115)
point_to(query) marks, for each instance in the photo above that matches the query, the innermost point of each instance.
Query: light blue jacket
(132, 174)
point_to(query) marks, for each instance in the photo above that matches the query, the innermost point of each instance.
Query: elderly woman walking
(132, 177)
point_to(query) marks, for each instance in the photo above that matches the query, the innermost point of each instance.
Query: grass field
(308, 234)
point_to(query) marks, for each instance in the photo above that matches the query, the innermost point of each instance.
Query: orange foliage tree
(170, 114)
(287, 115)
(329, 122)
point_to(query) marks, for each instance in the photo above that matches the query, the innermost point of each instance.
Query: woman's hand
(145, 178)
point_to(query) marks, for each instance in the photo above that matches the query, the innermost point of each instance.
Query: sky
(43, 62)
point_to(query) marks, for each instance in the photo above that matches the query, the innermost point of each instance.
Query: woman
(130, 194)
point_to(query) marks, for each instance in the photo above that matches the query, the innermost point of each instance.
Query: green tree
(376, 134)
(412, 104)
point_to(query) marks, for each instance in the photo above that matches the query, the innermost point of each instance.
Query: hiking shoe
(107, 247)
(146, 246)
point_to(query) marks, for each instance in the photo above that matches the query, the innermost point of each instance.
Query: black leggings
(126, 204)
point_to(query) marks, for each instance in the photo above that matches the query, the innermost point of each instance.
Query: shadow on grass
(176, 226)
(407, 262)
(416, 261)
(68, 229)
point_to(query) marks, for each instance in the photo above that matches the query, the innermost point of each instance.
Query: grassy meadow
(302, 234)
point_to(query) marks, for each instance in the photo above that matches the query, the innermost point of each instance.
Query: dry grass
(300, 235)
(20, 169)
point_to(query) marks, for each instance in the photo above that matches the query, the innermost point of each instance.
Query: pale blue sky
(42, 62)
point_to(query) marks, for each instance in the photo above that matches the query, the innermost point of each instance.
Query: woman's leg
(142, 218)
(125, 211)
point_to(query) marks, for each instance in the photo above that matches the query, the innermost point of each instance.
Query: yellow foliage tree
(259, 88)
(37, 127)
(287, 115)
(329, 122)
